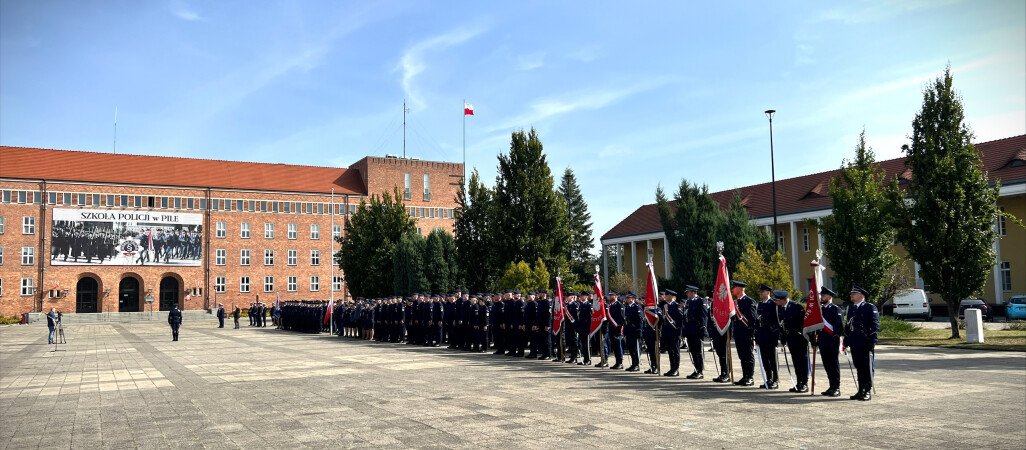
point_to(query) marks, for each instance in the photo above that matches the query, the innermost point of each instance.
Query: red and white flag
(468, 109)
(557, 315)
(813, 312)
(598, 308)
(651, 291)
(327, 312)
(723, 301)
(149, 241)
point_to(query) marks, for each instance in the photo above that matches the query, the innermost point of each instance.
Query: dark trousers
(829, 355)
(650, 345)
(720, 345)
(236, 322)
(584, 345)
(616, 346)
(542, 343)
(746, 353)
(571, 342)
(634, 349)
(174, 331)
(860, 358)
(220, 322)
(768, 352)
(798, 347)
(695, 344)
(671, 343)
(435, 335)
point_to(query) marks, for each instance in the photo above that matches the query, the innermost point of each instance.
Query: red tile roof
(811, 192)
(65, 165)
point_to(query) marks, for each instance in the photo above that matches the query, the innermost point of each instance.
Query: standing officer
(614, 328)
(719, 341)
(530, 326)
(860, 333)
(696, 318)
(671, 331)
(542, 340)
(497, 321)
(767, 335)
(828, 341)
(792, 322)
(632, 325)
(174, 318)
(648, 333)
(220, 315)
(583, 326)
(744, 332)
(570, 326)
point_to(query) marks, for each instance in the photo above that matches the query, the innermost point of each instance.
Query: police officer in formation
(617, 317)
(673, 315)
(860, 335)
(745, 321)
(719, 343)
(767, 335)
(696, 320)
(792, 323)
(828, 340)
(633, 323)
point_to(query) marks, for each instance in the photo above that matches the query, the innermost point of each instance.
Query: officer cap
(459, 291)
(674, 293)
(174, 305)
(631, 294)
(611, 292)
(507, 291)
(735, 283)
(690, 288)
(571, 294)
(855, 288)
(827, 291)
(763, 287)
(517, 292)
(543, 291)
(780, 295)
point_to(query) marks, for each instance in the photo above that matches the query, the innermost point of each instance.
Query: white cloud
(412, 62)
(184, 12)
(530, 62)
(918, 80)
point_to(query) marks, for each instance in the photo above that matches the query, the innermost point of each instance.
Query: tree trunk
(953, 318)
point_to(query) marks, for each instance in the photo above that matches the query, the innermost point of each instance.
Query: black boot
(723, 378)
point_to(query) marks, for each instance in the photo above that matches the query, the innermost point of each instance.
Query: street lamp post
(773, 181)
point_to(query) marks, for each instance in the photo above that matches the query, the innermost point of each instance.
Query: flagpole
(464, 143)
(331, 326)
(812, 391)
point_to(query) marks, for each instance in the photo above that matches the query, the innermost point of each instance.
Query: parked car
(912, 303)
(988, 312)
(1016, 307)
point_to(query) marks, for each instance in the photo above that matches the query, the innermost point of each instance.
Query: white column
(919, 281)
(998, 297)
(634, 262)
(619, 258)
(823, 260)
(666, 258)
(605, 266)
(794, 256)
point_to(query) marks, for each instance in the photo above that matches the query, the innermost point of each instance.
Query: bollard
(973, 326)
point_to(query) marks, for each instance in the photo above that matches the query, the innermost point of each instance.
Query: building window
(336, 283)
(1006, 276)
(28, 256)
(1002, 230)
(3, 224)
(163, 202)
(805, 239)
(268, 284)
(315, 284)
(28, 225)
(190, 203)
(203, 204)
(1, 287)
(22, 196)
(427, 187)
(252, 205)
(268, 257)
(178, 203)
(315, 231)
(138, 201)
(263, 206)
(27, 286)
(1, 256)
(293, 231)
(406, 190)
(219, 285)
(293, 285)
(124, 200)
(268, 230)
(336, 232)
(220, 257)
(244, 257)
(244, 230)
(293, 257)
(222, 230)
(243, 284)
(315, 257)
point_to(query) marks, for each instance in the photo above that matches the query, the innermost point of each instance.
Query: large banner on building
(103, 237)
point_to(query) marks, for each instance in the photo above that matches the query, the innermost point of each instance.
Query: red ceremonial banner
(723, 301)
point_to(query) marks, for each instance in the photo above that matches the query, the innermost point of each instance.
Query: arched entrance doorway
(168, 293)
(85, 295)
(128, 295)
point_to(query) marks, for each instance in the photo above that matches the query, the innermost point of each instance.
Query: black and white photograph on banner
(125, 238)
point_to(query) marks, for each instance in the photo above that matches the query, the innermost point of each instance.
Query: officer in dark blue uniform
(614, 328)
(744, 332)
(767, 336)
(696, 318)
(792, 324)
(573, 309)
(719, 343)
(648, 332)
(530, 326)
(673, 312)
(632, 326)
(174, 318)
(437, 315)
(583, 327)
(497, 322)
(828, 341)
(542, 333)
(860, 335)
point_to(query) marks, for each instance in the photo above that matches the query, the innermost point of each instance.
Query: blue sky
(630, 95)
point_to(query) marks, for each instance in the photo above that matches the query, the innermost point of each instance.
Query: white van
(912, 303)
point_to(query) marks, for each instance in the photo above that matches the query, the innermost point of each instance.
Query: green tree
(528, 220)
(539, 276)
(473, 245)
(367, 246)
(755, 269)
(737, 231)
(691, 224)
(408, 265)
(945, 217)
(440, 261)
(859, 233)
(582, 263)
(622, 282)
(521, 276)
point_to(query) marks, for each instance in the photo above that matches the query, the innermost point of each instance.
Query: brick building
(95, 232)
(801, 201)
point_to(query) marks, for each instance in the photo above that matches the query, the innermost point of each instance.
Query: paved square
(125, 385)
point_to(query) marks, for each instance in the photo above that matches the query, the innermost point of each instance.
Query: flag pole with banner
(557, 318)
(468, 110)
(652, 310)
(598, 317)
(814, 314)
(723, 305)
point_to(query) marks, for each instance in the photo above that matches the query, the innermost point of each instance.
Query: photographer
(51, 322)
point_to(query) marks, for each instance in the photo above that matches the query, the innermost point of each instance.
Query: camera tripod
(60, 338)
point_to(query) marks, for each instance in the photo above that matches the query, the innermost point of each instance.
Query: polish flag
(468, 109)
(327, 312)
(651, 291)
(598, 310)
(557, 315)
(723, 301)
(813, 312)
